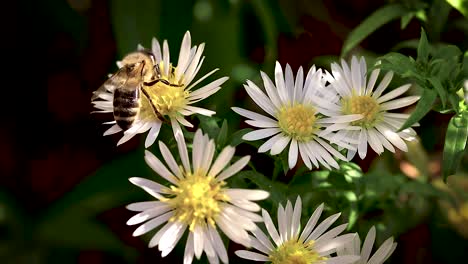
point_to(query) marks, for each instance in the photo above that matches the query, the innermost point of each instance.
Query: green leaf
(222, 134)
(423, 48)
(84, 234)
(405, 20)
(460, 5)
(455, 143)
(401, 65)
(377, 19)
(422, 108)
(209, 125)
(425, 189)
(236, 137)
(277, 190)
(440, 89)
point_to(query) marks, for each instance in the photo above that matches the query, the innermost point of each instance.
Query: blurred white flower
(379, 257)
(198, 199)
(302, 114)
(378, 127)
(312, 246)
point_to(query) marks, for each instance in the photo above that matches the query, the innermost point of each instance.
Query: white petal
(156, 49)
(233, 231)
(198, 241)
(166, 58)
(207, 90)
(263, 239)
(271, 90)
(234, 168)
(169, 159)
(262, 124)
(194, 66)
(261, 133)
(298, 85)
(152, 224)
(282, 222)
(150, 187)
(183, 56)
(199, 110)
(383, 85)
(179, 137)
(252, 195)
(148, 214)
(280, 85)
(218, 244)
(279, 145)
(260, 98)
(312, 222)
(159, 168)
(189, 249)
(380, 255)
(112, 130)
(323, 226)
(367, 246)
(245, 204)
(153, 134)
(374, 141)
(331, 246)
(209, 154)
(142, 206)
(269, 143)
(271, 227)
(252, 115)
(362, 146)
(157, 237)
(395, 93)
(372, 80)
(251, 255)
(399, 103)
(348, 259)
(223, 159)
(392, 137)
(293, 152)
(296, 218)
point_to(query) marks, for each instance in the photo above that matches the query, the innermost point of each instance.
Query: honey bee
(138, 70)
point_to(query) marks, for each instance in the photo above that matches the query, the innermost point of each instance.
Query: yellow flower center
(296, 252)
(364, 105)
(197, 199)
(168, 99)
(297, 121)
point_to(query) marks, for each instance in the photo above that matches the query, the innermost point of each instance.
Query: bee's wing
(116, 80)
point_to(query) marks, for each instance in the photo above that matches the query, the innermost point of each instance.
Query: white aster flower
(312, 246)
(378, 127)
(174, 100)
(304, 114)
(380, 256)
(198, 199)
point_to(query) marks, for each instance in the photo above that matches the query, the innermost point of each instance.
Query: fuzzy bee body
(126, 105)
(127, 86)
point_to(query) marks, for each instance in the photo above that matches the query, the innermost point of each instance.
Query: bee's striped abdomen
(126, 107)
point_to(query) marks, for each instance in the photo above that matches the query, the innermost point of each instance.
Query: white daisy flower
(380, 256)
(172, 97)
(378, 128)
(198, 199)
(313, 245)
(303, 114)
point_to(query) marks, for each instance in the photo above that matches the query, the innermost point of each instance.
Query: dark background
(57, 52)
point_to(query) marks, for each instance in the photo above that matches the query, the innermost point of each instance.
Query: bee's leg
(157, 70)
(156, 112)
